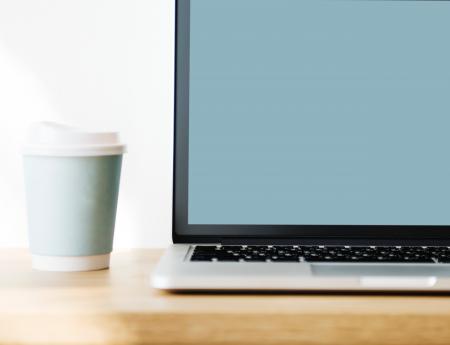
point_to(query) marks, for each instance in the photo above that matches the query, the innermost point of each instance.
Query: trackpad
(388, 270)
(397, 282)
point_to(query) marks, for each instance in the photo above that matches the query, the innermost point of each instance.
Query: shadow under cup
(71, 204)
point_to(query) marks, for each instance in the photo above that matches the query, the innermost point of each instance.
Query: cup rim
(74, 151)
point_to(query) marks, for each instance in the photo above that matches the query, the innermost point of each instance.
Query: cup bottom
(70, 263)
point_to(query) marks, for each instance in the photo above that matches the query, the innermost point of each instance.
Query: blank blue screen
(319, 112)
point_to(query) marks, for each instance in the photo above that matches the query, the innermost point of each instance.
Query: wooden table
(117, 306)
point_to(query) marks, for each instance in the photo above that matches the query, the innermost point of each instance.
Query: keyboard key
(228, 258)
(285, 259)
(255, 258)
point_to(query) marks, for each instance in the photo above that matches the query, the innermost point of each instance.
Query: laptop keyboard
(322, 254)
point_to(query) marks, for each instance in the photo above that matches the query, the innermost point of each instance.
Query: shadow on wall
(95, 64)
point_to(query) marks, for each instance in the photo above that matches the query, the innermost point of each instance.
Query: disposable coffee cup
(72, 183)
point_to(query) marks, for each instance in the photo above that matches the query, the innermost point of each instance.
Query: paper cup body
(71, 205)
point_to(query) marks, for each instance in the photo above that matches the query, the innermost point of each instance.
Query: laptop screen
(319, 112)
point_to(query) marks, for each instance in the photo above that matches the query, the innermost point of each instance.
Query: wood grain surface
(117, 306)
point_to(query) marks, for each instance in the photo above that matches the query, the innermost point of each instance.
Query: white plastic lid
(53, 139)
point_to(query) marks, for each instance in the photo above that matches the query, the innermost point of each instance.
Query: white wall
(92, 63)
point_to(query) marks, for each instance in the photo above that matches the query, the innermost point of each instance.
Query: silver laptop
(312, 146)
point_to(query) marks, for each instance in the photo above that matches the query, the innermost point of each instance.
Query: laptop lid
(312, 119)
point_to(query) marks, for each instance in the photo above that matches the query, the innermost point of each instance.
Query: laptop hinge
(330, 241)
(270, 241)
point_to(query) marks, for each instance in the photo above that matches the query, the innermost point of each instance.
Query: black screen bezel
(182, 232)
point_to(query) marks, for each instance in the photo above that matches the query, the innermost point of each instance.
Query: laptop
(312, 146)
